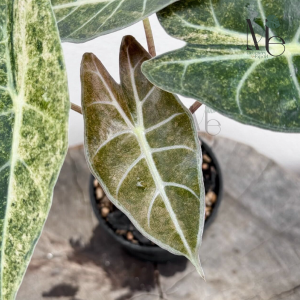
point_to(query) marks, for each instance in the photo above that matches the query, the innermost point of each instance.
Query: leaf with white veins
(141, 144)
(215, 68)
(80, 21)
(34, 110)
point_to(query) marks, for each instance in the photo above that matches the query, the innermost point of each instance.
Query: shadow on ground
(124, 270)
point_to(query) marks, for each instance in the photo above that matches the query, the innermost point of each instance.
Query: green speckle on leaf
(80, 21)
(215, 67)
(34, 108)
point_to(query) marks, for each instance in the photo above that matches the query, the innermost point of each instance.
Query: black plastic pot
(155, 253)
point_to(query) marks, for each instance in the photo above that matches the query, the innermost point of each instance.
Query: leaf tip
(87, 56)
(89, 60)
(197, 265)
(128, 39)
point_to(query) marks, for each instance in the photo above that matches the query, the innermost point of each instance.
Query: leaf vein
(262, 13)
(218, 30)
(297, 36)
(114, 136)
(69, 14)
(135, 93)
(7, 164)
(148, 94)
(3, 88)
(101, 102)
(205, 59)
(90, 19)
(242, 82)
(118, 6)
(174, 184)
(32, 176)
(155, 150)
(138, 63)
(29, 106)
(214, 15)
(151, 206)
(5, 113)
(162, 122)
(144, 7)
(293, 73)
(116, 104)
(183, 76)
(78, 3)
(128, 171)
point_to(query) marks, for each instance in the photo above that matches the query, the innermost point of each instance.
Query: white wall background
(281, 147)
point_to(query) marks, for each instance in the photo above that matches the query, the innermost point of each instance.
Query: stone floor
(250, 252)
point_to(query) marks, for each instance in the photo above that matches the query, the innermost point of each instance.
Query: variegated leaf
(80, 21)
(33, 130)
(216, 68)
(141, 144)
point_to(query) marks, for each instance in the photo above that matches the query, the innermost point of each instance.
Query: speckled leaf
(80, 21)
(33, 130)
(215, 68)
(142, 146)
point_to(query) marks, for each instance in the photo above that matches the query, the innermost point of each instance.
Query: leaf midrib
(220, 29)
(146, 151)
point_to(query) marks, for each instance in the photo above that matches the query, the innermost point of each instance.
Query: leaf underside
(33, 130)
(216, 69)
(141, 145)
(80, 21)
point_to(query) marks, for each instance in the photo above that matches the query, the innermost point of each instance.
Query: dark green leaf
(34, 110)
(215, 68)
(80, 21)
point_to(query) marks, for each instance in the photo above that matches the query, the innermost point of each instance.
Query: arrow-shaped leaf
(142, 146)
(215, 68)
(80, 21)
(33, 130)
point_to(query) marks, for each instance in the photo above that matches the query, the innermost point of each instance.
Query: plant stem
(151, 48)
(76, 108)
(149, 36)
(195, 107)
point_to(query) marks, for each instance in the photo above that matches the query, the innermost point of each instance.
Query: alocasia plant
(135, 134)
(34, 108)
(216, 69)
